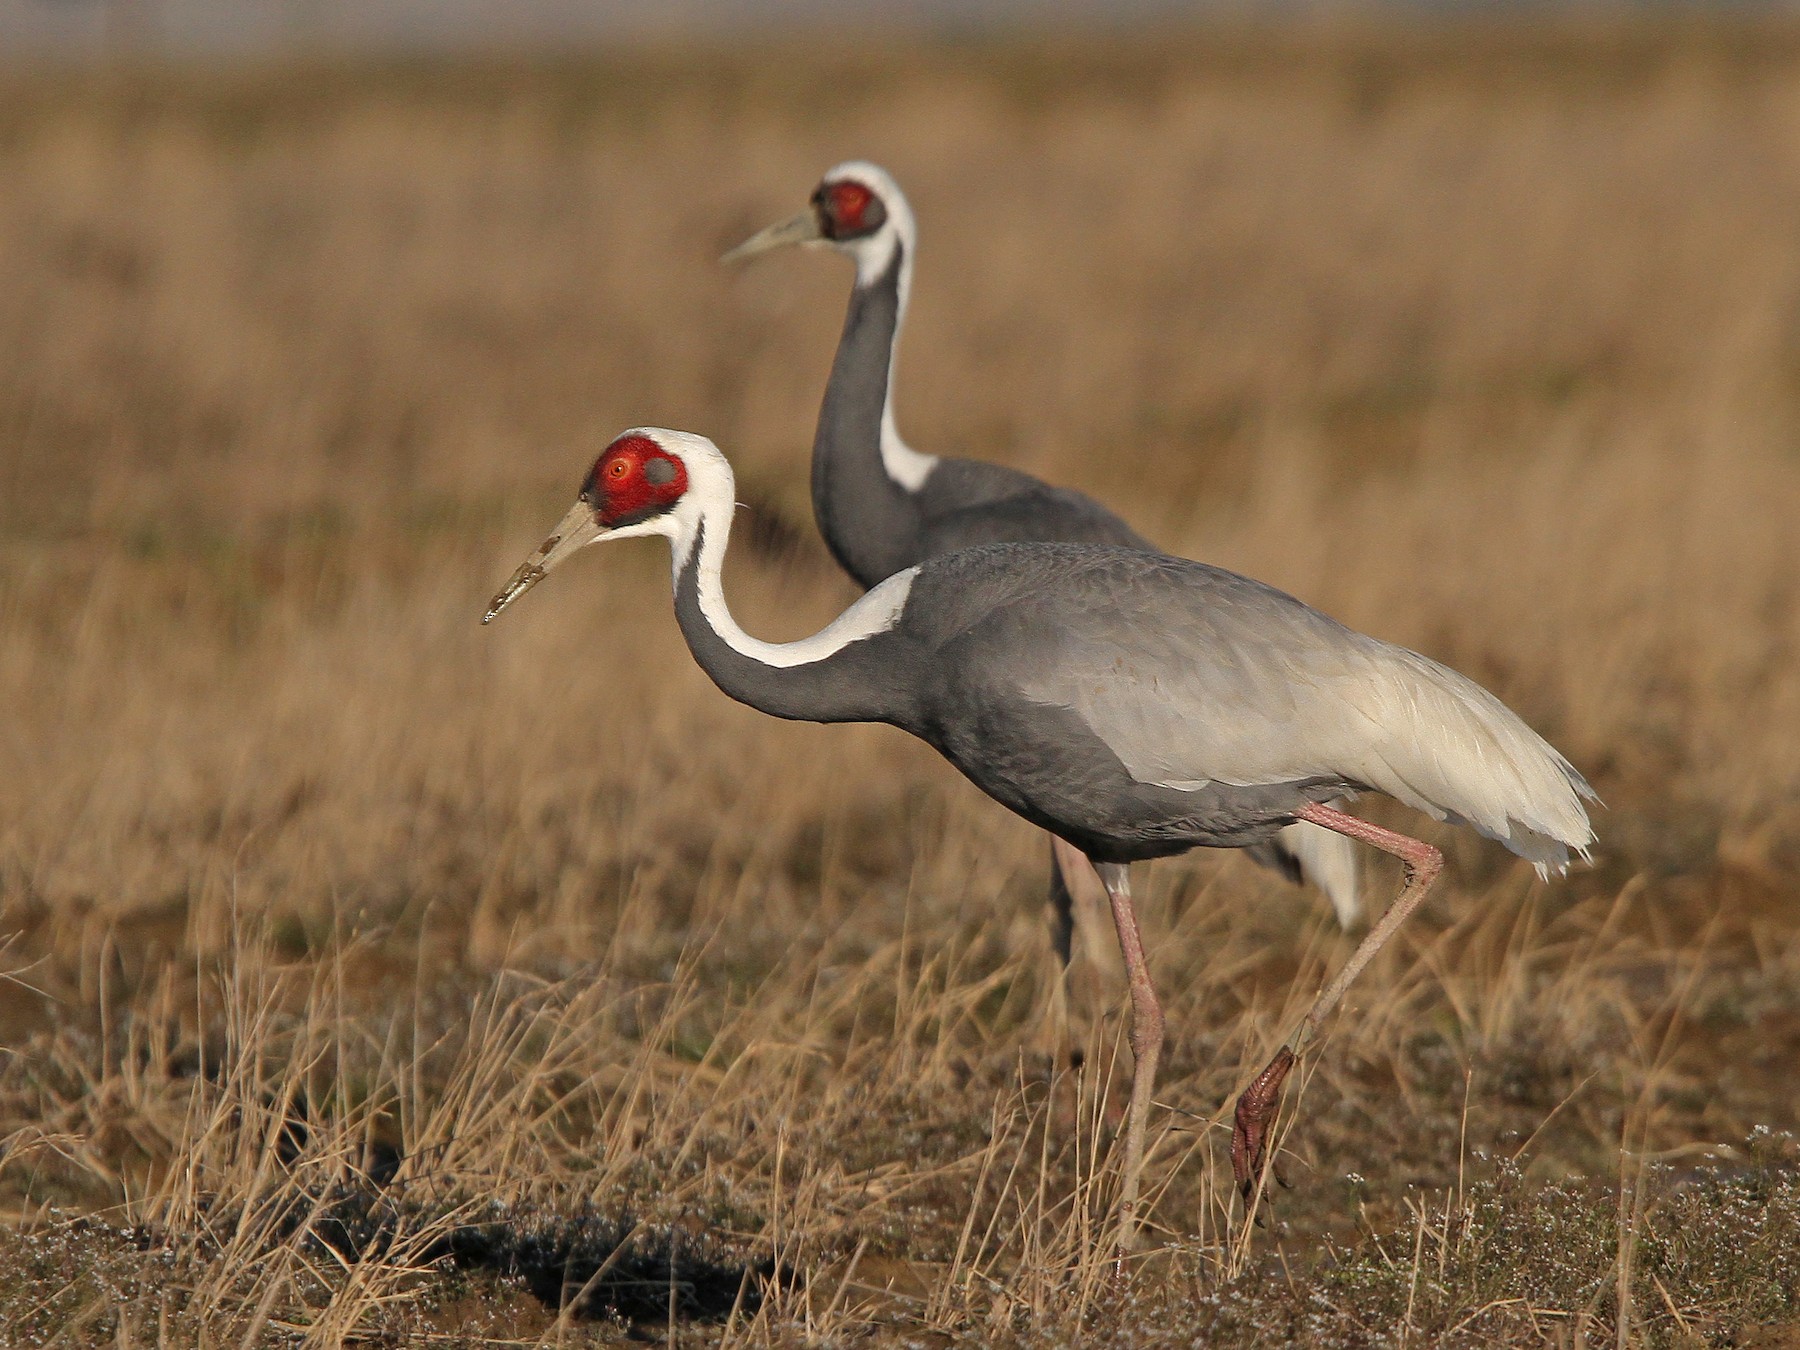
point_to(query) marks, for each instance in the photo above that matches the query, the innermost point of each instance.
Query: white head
(857, 209)
(648, 481)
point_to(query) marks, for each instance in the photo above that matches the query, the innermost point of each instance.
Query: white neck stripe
(874, 254)
(906, 466)
(704, 515)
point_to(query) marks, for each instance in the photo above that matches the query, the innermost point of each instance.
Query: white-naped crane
(1133, 704)
(883, 506)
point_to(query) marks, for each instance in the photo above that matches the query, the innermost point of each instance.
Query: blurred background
(1476, 326)
(83, 28)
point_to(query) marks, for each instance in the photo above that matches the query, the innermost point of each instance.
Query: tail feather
(1327, 860)
(1455, 752)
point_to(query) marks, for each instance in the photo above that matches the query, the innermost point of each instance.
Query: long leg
(1074, 896)
(1256, 1108)
(1146, 1041)
(1077, 908)
(1062, 903)
(1082, 916)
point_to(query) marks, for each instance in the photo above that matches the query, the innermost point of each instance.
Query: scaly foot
(1250, 1127)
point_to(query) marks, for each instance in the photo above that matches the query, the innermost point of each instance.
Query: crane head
(633, 486)
(857, 208)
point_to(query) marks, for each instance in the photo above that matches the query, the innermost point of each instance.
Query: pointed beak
(576, 531)
(802, 229)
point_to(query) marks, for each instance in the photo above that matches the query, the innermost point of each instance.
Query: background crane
(883, 506)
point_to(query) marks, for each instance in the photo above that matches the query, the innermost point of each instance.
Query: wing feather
(1193, 675)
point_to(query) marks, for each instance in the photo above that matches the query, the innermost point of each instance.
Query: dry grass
(379, 977)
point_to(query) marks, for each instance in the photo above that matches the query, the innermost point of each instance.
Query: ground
(373, 977)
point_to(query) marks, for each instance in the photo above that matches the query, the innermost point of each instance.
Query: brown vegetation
(378, 975)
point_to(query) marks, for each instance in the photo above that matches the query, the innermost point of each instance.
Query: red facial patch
(848, 205)
(634, 478)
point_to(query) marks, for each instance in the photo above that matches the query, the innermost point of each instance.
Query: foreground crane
(1133, 704)
(883, 506)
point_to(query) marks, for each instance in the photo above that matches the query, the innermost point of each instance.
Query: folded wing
(1193, 675)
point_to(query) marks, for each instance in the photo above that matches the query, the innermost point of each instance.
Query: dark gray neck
(870, 680)
(869, 521)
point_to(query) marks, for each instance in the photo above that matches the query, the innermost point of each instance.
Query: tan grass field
(381, 979)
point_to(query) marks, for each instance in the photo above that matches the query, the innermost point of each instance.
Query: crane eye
(618, 468)
(853, 210)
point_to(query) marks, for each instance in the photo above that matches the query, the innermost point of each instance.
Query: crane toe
(1250, 1126)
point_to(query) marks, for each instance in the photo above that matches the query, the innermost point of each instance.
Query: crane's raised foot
(1250, 1127)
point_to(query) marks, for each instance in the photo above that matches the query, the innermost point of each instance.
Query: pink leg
(1085, 985)
(1079, 895)
(1146, 1042)
(1256, 1108)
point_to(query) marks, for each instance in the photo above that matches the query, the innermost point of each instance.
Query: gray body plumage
(876, 526)
(1138, 705)
(1060, 672)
